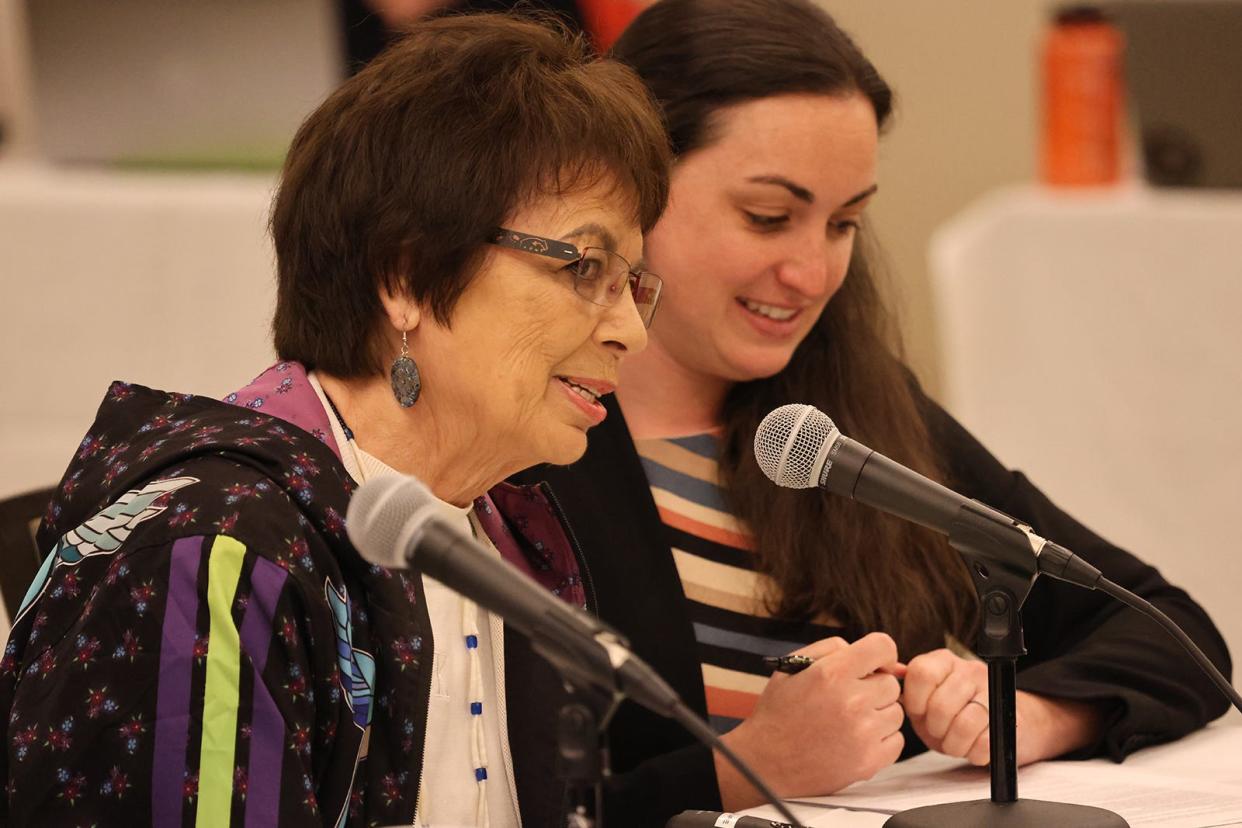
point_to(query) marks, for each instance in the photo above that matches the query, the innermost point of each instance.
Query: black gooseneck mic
(394, 521)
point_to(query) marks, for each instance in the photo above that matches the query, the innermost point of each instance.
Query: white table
(159, 278)
(1199, 777)
(1093, 340)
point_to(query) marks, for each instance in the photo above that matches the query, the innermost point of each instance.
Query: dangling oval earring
(406, 382)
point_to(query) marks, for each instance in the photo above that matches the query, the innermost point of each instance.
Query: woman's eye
(588, 267)
(765, 221)
(845, 226)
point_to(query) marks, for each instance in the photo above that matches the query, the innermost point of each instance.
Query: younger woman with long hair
(707, 567)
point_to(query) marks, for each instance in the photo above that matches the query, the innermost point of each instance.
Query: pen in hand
(792, 664)
(787, 663)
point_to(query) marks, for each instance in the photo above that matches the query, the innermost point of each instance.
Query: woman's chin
(750, 366)
(565, 446)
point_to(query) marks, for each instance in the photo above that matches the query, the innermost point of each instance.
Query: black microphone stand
(1003, 566)
(582, 754)
(593, 691)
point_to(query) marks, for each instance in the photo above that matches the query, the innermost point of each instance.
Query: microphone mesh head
(385, 516)
(791, 444)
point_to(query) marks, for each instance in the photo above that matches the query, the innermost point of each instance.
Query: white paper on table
(1189, 784)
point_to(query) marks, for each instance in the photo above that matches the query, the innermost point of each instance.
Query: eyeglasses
(600, 275)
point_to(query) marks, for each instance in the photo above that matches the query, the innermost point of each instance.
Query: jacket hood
(140, 435)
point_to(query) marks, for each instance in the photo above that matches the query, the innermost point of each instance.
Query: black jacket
(1082, 645)
(204, 645)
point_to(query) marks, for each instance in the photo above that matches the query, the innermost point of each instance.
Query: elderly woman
(457, 233)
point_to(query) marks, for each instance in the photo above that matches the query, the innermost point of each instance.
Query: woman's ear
(402, 311)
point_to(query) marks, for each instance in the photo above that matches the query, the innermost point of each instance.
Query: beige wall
(964, 72)
(966, 82)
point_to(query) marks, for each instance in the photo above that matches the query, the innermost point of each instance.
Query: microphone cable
(698, 728)
(1170, 626)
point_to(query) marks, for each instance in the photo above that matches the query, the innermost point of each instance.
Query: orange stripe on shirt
(703, 530)
(732, 704)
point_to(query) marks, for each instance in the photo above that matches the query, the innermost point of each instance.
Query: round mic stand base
(1024, 813)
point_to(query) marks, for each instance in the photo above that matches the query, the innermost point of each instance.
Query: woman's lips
(592, 408)
(766, 324)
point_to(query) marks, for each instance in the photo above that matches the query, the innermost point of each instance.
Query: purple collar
(284, 390)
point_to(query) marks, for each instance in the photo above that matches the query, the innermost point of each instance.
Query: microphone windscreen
(791, 444)
(385, 517)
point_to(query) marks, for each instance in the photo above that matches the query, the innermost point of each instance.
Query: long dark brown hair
(823, 553)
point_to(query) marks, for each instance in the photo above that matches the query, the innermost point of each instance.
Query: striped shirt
(714, 554)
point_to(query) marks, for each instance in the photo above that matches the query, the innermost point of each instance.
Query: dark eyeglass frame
(645, 286)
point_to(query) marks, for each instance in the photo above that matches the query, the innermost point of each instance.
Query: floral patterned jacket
(203, 646)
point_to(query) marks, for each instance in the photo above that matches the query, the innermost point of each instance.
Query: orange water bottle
(607, 19)
(1082, 98)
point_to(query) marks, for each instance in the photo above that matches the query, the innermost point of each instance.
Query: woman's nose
(621, 327)
(816, 268)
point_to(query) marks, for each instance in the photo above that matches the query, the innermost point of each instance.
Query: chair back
(19, 555)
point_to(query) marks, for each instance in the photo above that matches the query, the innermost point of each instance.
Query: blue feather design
(102, 534)
(357, 667)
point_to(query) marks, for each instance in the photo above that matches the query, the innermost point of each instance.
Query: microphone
(394, 521)
(716, 819)
(799, 447)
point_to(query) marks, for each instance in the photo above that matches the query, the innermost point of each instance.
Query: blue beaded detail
(472, 642)
(480, 774)
(476, 708)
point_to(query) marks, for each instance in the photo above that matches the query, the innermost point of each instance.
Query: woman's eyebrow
(799, 192)
(803, 194)
(870, 191)
(597, 230)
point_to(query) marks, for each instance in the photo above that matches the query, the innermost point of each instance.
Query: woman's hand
(813, 733)
(946, 698)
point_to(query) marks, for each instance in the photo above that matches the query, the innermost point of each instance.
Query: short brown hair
(400, 176)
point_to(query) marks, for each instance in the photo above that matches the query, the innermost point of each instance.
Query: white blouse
(448, 790)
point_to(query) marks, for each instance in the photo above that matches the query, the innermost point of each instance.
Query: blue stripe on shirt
(717, 637)
(683, 485)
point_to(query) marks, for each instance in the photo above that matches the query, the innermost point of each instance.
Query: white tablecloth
(1093, 340)
(1192, 783)
(162, 279)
